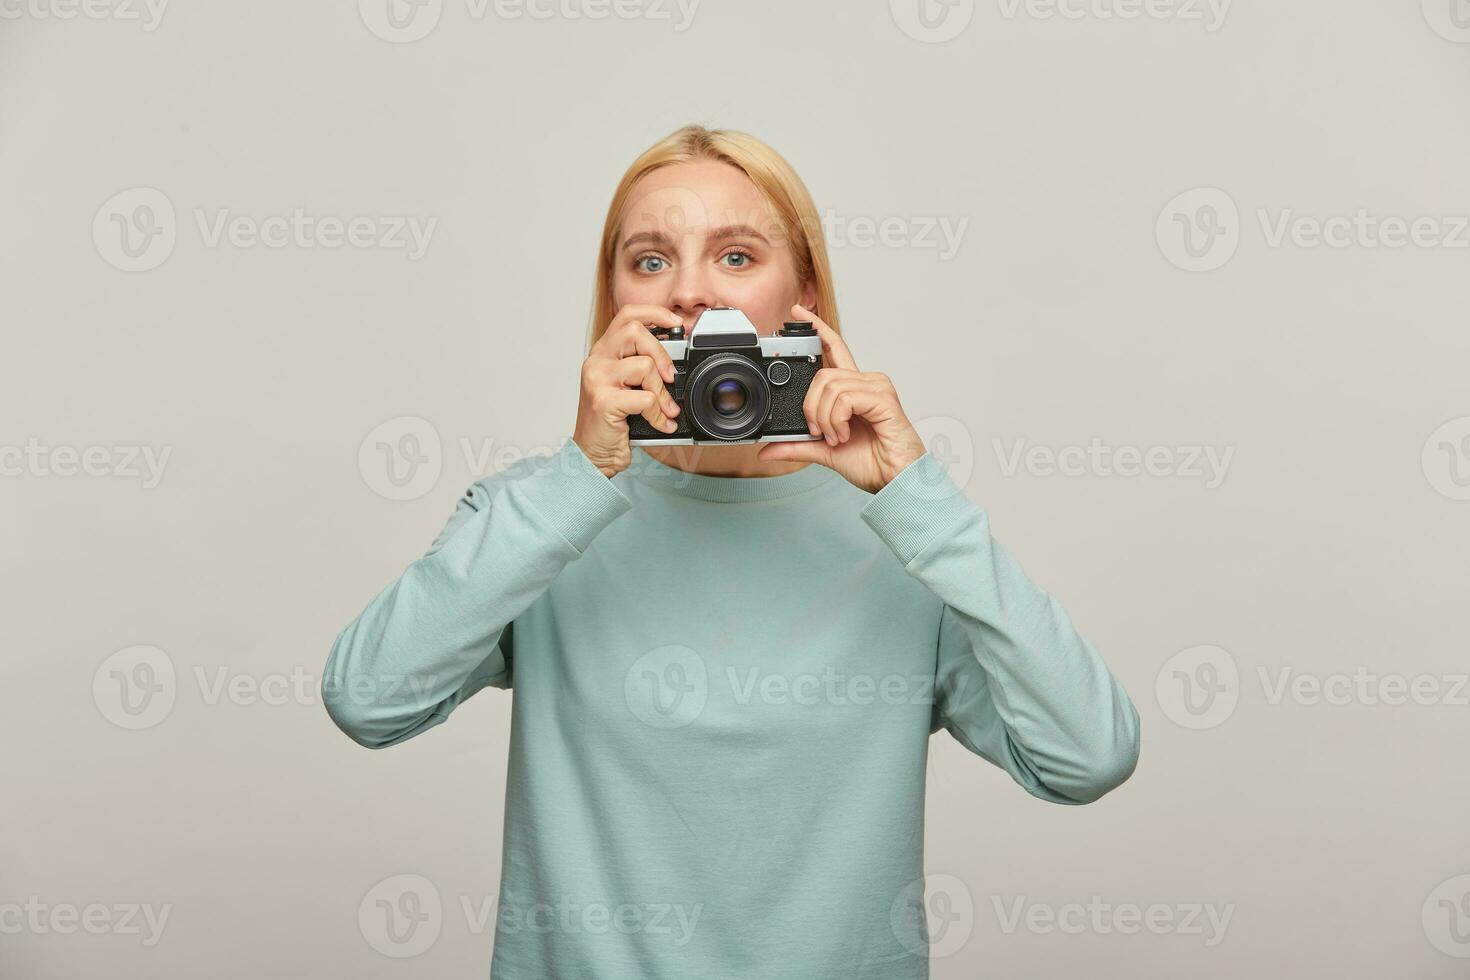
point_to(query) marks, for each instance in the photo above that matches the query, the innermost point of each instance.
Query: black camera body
(733, 386)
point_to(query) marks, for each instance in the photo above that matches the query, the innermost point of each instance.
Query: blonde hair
(787, 197)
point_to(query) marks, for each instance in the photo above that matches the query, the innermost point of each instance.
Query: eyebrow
(662, 238)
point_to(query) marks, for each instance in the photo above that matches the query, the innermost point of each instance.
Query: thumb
(816, 451)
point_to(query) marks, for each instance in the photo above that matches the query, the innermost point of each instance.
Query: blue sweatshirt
(722, 692)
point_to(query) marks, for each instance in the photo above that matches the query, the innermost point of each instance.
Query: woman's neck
(735, 461)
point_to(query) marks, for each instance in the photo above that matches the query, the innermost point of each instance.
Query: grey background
(1334, 833)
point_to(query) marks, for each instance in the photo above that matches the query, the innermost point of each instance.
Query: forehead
(697, 195)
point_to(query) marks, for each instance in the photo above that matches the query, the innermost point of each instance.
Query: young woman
(726, 662)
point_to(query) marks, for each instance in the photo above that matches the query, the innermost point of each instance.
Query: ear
(809, 297)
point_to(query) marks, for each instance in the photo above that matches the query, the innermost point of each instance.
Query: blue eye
(638, 263)
(745, 259)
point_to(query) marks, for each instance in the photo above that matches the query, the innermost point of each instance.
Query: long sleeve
(444, 629)
(1015, 683)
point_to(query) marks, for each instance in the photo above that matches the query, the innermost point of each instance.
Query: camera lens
(728, 397)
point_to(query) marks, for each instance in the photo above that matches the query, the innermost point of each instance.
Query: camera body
(733, 386)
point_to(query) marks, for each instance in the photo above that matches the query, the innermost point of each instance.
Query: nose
(692, 293)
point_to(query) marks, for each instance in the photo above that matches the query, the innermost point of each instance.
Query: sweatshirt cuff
(917, 507)
(573, 496)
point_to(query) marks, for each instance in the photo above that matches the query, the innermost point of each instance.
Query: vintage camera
(734, 386)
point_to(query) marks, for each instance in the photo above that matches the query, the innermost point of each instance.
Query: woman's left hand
(868, 438)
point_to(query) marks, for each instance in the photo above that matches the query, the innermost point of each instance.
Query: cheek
(766, 300)
(626, 289)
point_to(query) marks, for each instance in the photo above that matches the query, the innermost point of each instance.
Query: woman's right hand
(625, 374)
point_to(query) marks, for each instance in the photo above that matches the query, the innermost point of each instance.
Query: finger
(833, 390)
(859, 398)
(645, 313)
(834, 348)
(637, 340)
(638, 370)
(797, 452)
(813, 398)
(612, 342)
(624, 335)
(841, 414)
(618, 403)
(811, 404)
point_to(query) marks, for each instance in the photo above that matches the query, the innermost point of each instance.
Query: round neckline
(725, 489)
